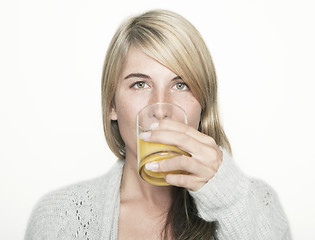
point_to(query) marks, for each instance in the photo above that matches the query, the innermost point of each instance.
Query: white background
(51, 57)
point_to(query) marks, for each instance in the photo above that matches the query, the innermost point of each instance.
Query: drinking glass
(148, 151)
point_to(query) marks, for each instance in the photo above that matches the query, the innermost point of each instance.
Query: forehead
(137, 61)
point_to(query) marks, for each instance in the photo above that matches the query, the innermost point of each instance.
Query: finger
(182, 163)
(178, 139)
(190, 182)
(212, 153)
(172, 125)
(185, 142)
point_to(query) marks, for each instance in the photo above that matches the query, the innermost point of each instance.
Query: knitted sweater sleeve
(243, 208)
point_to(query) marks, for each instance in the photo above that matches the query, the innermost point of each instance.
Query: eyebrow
(137, 75)
(141, 75)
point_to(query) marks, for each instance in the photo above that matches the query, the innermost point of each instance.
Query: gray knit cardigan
(243, 208)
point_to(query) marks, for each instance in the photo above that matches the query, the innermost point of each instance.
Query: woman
(160, 57)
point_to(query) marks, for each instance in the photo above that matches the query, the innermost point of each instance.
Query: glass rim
(160, 103)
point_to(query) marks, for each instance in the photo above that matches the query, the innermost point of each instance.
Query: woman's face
(144, 81)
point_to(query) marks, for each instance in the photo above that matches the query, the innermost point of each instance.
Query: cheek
(193, 114)
(127, 109)
(126, 116)
(194, 119)
(127, 126)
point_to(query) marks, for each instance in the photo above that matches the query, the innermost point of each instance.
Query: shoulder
(73, 208)
(241, 205)
(85, 191)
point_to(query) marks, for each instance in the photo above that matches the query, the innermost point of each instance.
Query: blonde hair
(174, 42)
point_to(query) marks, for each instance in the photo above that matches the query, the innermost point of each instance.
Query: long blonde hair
(174, 42)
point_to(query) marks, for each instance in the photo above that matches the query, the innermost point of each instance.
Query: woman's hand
(205, 158)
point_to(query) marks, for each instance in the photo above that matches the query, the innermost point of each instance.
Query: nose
(161, 111)
(160, 94)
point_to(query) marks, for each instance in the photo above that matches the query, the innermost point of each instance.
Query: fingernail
(145, 135)
(154, 125)
(153, 166)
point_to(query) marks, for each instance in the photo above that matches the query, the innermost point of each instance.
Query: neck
(133, 187)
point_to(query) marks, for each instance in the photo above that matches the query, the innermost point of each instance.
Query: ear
(113, 114)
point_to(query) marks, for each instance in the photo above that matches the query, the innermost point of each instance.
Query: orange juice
(150, 152)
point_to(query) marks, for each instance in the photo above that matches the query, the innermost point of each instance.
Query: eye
(181, 86)
(139, 84)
